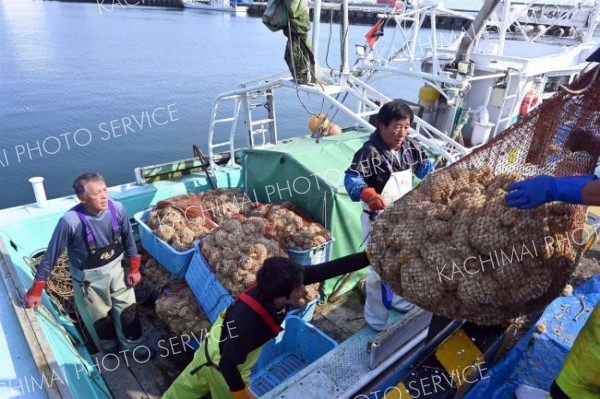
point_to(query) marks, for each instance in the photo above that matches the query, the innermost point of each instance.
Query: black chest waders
(104, 302)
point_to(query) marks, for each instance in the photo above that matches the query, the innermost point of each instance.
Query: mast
(345, 68)
(316, 34)
(463, 54)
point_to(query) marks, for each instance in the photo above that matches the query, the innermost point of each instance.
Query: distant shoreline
(358, 14)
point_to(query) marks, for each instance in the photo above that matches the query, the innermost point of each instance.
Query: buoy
(334, 130)
(318, 121)
(530, 101)
(428, 98)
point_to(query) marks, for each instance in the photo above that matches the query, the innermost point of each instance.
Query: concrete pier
(109, 4)
(357, 14)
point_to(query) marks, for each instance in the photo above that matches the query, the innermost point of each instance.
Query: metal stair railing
(344, 89)
(215, 121)
(438, 141)
(264, 126)
(510, 96)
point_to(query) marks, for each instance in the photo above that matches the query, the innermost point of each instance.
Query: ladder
(508, 103)
(244, 104)
(256, 101)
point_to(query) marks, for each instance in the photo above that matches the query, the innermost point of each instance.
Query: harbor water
(96, 87)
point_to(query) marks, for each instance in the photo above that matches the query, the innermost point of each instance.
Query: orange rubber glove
(243, 394)
(373, 200)
(33, 298)
(369, 257)
(134, 276)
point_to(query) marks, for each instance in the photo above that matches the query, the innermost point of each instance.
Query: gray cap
(595, 56)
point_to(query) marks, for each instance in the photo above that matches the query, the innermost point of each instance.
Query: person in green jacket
(222, 364)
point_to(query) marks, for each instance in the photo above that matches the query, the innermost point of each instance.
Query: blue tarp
(537, 358)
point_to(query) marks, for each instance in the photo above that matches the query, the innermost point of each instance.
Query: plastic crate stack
(214, 298)
(208, 290)
(176, 262)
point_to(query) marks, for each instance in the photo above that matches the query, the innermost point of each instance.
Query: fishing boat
(47, 352)
(216, 5)
(505, 63)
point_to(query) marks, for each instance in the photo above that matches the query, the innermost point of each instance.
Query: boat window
(553, 82)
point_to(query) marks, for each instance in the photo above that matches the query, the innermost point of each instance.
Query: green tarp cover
(311, 175)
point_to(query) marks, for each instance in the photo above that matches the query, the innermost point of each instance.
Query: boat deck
(339, 320)
(128, 378)
(148, 380)
(27, 228)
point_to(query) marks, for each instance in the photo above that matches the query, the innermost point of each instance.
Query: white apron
(376, 314)
(397, 185)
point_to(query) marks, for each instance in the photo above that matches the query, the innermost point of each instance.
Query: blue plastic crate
(214, 298)
(296, 347)
(207, 289)
(174, 261)
(312, 256)
(305, 312)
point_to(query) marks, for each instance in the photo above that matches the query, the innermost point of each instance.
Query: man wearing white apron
(380, 173)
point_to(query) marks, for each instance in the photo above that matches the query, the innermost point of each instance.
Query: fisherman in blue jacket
(97, 235)
(380, 173)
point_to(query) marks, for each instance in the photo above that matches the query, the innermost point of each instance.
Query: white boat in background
(216, 5)
(514, 55)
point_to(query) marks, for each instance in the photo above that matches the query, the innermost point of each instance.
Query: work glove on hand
(243, 394)
(424, 169)
(33, 298)
(369, 256)
(536, 191)
(373, 200)
(134, 276)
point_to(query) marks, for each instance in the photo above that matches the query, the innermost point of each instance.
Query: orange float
(530, 101)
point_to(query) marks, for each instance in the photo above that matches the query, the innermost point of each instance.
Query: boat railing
(415, 48)
(346, 95)
(551, 23)
(262, 132)
(409, 19)
(438, 141)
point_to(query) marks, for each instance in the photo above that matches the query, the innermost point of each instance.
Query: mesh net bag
(452, 246)
(178, 308)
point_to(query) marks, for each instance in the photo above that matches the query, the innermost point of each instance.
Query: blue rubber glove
(424, 169)
(387, 295)
(531, 193)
